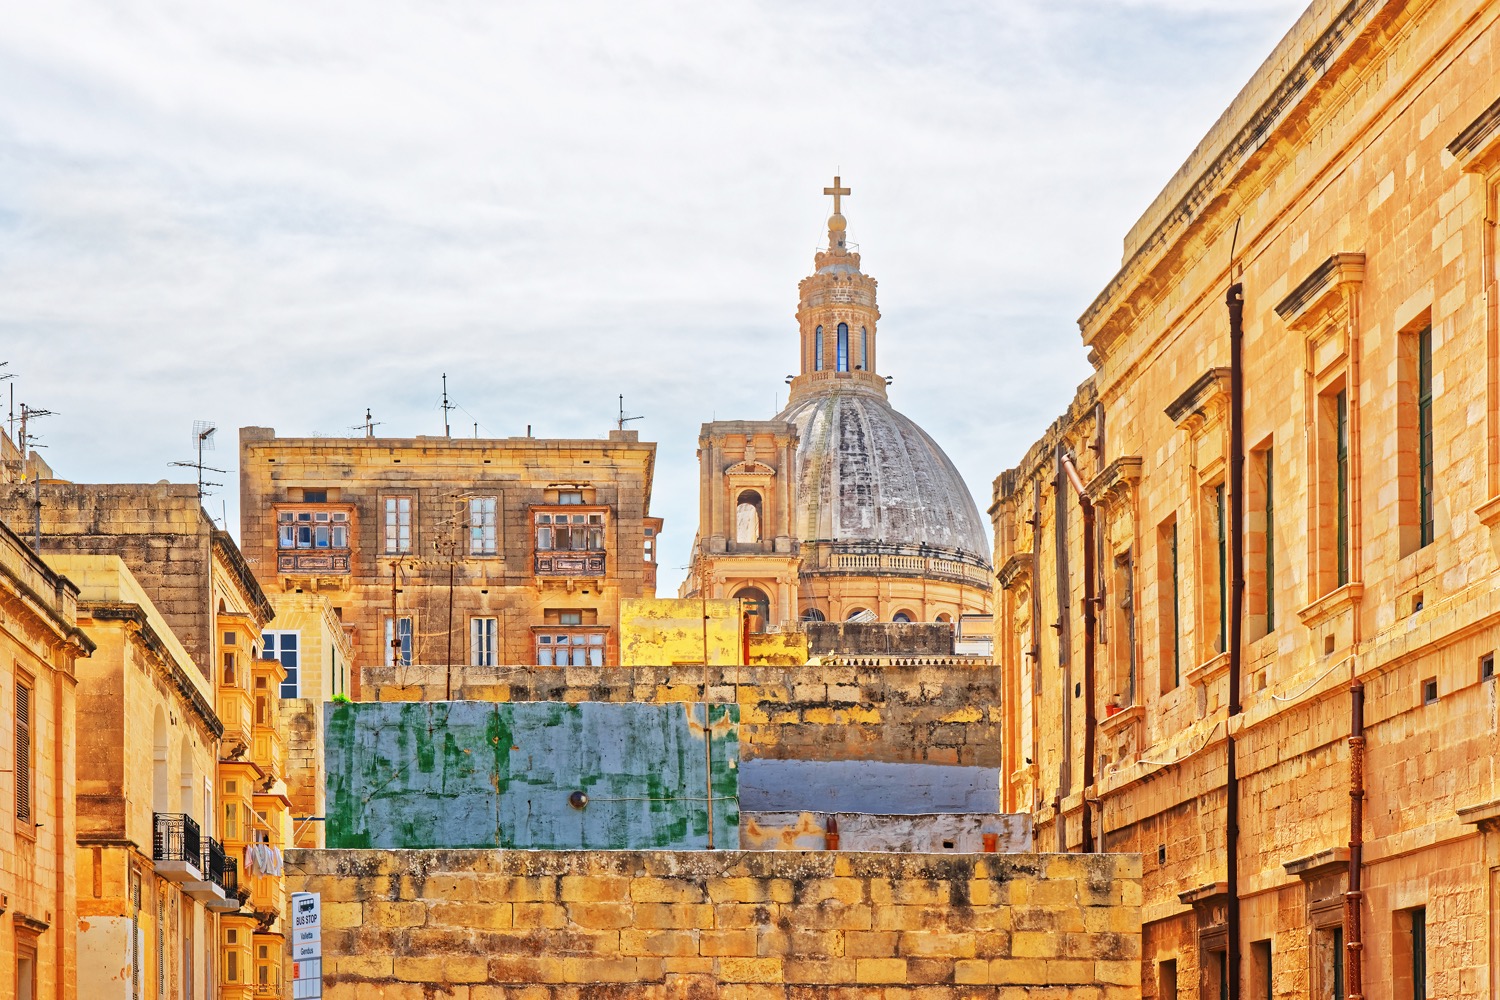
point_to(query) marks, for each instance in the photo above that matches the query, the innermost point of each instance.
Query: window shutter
(23, 752)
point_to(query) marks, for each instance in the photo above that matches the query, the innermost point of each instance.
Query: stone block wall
(485, 925)
(931, 713)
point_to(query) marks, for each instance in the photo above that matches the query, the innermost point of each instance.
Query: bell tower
(836, 316)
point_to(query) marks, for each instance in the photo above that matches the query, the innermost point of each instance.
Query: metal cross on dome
(837, 192)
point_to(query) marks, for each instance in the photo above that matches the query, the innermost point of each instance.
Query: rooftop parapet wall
(935, 714)
(690, 925)
(476, 774)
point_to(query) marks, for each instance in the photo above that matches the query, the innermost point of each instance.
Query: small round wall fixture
(578, 800)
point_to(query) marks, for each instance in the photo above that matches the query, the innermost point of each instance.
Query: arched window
(903, 616)
(860, 615)
(864, 349)
(757, 607)
(843, 358)
(813, 615)
(818, 350)
(945, 618)
(747, 517)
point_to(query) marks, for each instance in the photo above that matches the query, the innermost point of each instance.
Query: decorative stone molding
(1204, 401)
(1016, 572)
(1331, 605)
(1315, 866)
(1477, 147)
(1322, 291)
(1115, 482)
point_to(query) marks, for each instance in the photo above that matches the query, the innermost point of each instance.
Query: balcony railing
(177, 848)
(313, 561)
(570, 564)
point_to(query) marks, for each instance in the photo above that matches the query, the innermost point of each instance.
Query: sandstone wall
(936, 714)
(482, 925)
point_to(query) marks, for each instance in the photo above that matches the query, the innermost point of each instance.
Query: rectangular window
(650, 549)
(1166, 980)
(575, 649)
(557, 532)
(312, 529)
(1222, 552)
(23, 752)
(1169, 605)
(842, 357)
(397, 525)
(482, 635)
(1330, 963)
(398, 642)
(286, 647)
(1341, 402)
(1419, 954)
(864, 349)
(1424, 434)
(1261, 983)
(482, 532)
(818, 349)
(1122, 641)
(570, 498)
(1268, 558)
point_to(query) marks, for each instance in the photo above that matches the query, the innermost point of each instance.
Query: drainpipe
(1086, 508)
(1036, 641)
(1235, 300)
(1354, 966)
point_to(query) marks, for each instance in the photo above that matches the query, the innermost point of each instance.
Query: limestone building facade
(41, 647)
(452, 550)
(840, 507)
(1348, 198)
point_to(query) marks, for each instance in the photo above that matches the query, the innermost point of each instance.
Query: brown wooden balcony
(570, 564)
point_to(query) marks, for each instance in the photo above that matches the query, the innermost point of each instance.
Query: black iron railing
(177, 839)
(229, 878)
(213, 861)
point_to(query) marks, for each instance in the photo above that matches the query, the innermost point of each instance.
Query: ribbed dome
(865, 473)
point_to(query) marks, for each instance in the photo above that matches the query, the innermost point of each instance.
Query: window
(25, 972)
(1329, 959)
(228, 668)
(567, 498)
(570, 618)
(1217, 976)
(813, 615)
(864, 349)
(1261, 983)
(284, 646)
(818, 350)
(1221, 577)
(1332, 457)
(902, 617)
(1424, 434)
(569, 532)
(1260, 542)
(1166, 980)
(1122, 631)
(231, 816)
(397, 525)
(1409, 954)
(1487, 667)
(747, 517)
(650, 549)
(398, 642)
(482, 535)
(482, 635)
(843, 348)
(314, 496)
(1169, 605)
(312, 529)
(756, 605)
(23, 752)
(576, 649)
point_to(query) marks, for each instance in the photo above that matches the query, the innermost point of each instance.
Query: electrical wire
(1312, 683)
(1206, 740)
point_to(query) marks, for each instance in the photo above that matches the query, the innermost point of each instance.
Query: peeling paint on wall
(469, 774)
(939, 833)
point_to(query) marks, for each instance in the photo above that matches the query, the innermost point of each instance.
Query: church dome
(868, 474)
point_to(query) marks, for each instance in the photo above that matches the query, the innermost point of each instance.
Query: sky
(284, 213)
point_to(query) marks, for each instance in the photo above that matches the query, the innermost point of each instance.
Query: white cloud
(285, 212)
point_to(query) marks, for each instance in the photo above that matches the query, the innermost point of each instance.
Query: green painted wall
(466, 774)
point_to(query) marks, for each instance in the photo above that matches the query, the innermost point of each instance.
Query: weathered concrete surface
(935, 714)
(469, 774)
(867, 786)
(855, 638)
(548, 925)
(936, 833)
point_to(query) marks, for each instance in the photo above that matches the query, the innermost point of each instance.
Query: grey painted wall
(866, 786)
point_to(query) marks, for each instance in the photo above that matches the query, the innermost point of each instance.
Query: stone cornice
(1206, 390)
(133, 616)
(1318, 289)
(1258, 128)
(240, 570)
(1476, 146)
(1114, 481)
(1016, 571)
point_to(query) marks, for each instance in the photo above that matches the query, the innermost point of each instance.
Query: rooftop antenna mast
(11, 418)
(203, 439)
(27, 442)
(368, 426)
(446, 406)
(622, 420)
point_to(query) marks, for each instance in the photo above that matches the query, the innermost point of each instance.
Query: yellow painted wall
(666, 631)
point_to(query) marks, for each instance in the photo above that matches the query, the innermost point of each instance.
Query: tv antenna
(368, 426)
(27, 439)
(622, 420)
(203, 440)
(446, 406)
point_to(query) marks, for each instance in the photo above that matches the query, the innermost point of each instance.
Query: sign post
(307, 946)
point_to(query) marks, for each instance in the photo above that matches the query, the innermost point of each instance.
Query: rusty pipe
(1086, 509)
(1234, 300)
(1353, 898)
